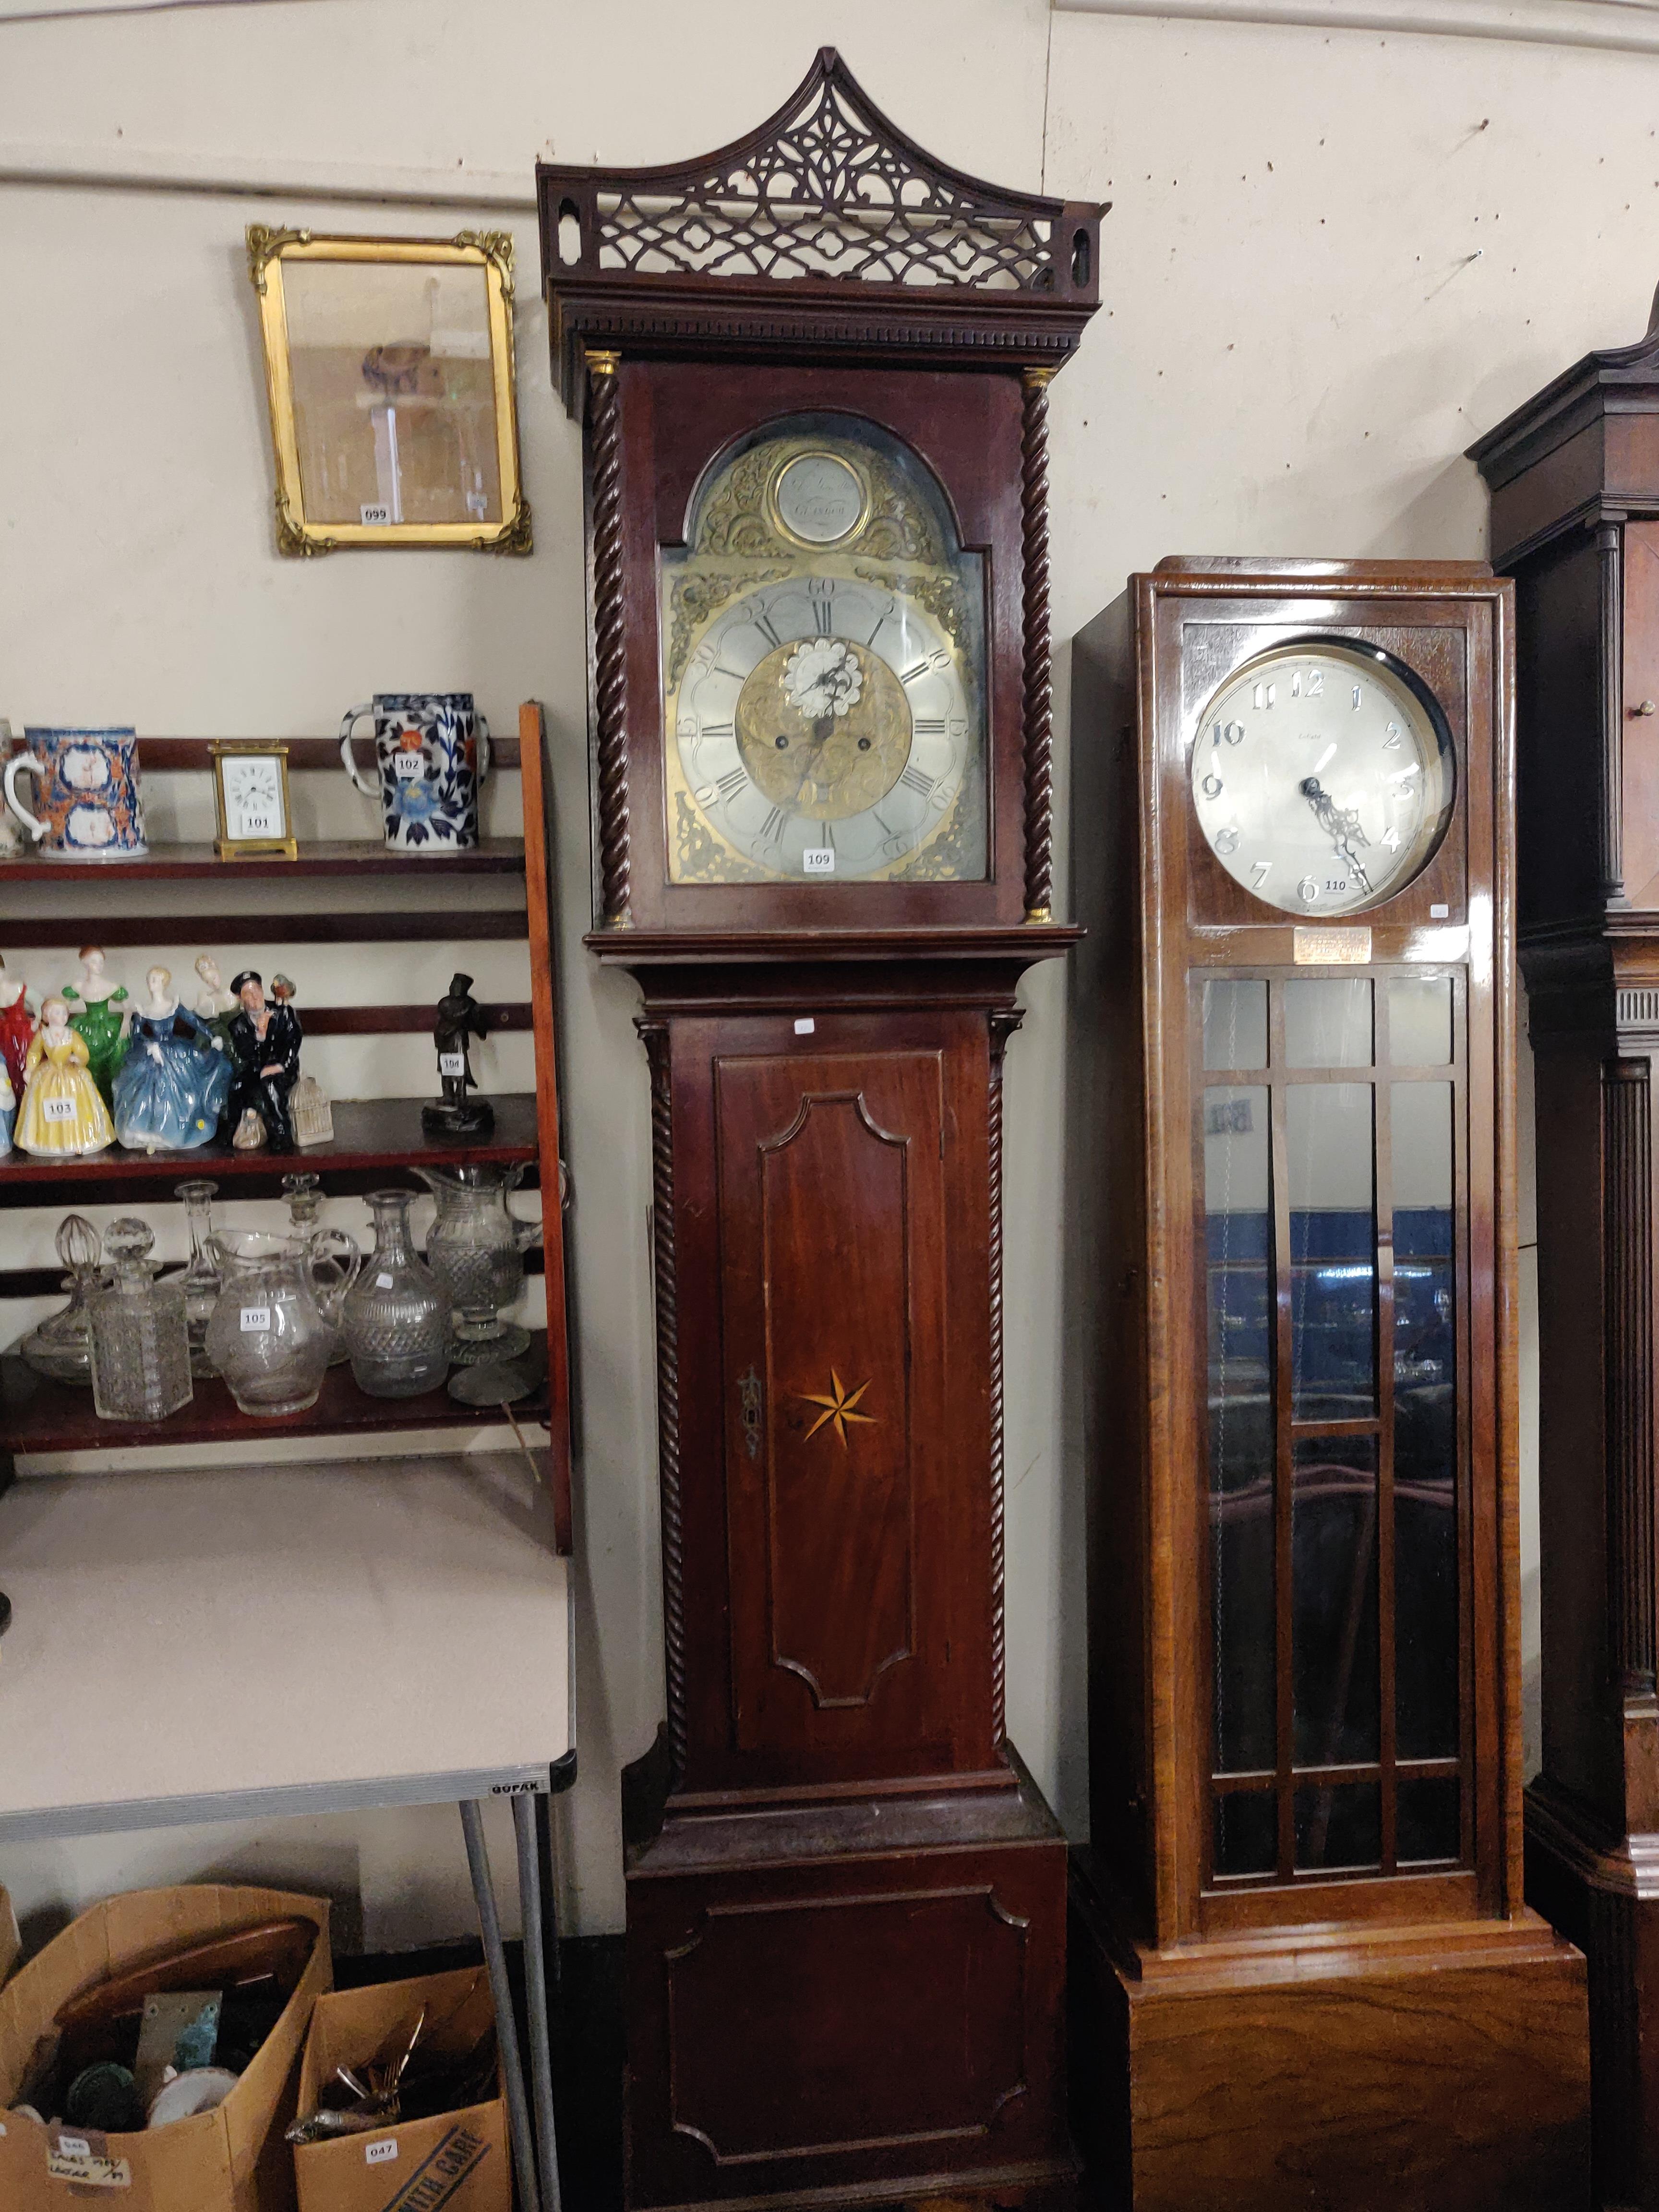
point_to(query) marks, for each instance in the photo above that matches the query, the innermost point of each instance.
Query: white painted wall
(1298, 341)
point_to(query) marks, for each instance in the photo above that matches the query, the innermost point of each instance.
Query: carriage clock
(1574, 477)
(813, 371)
(1302, 1967)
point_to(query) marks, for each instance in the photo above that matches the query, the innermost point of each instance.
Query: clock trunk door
(1333, 1252)
(851, 1252)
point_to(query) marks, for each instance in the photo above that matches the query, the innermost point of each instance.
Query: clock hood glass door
(1322, 776)
(823, 676)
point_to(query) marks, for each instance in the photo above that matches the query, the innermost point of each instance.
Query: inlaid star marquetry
(838, 1408)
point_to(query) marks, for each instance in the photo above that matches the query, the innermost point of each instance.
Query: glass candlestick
(201, 1281)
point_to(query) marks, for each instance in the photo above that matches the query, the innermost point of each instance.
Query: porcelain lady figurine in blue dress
(172, 1087)
(8, 1109)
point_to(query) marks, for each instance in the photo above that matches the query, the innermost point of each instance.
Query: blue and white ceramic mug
(432, 753)
(86, 789)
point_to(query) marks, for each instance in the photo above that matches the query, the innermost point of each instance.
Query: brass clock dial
(835, 753)
(824, 683)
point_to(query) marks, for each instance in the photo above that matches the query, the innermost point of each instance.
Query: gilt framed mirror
(389, 372)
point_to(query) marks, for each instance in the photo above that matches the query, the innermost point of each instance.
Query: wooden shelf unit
(349, 856)
(37, 1415)
(377, 1141)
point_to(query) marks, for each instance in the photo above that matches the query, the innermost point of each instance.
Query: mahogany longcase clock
(812, 370)
(1574, 475)
(1302, 1967)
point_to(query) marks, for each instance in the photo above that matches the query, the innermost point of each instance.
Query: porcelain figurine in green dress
(95, 1011)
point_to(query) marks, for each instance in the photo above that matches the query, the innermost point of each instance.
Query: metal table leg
(518, 2114)
(544, 1846)
(535, 1966)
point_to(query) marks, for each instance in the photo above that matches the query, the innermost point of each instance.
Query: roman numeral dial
(822, 635)
(823, 728)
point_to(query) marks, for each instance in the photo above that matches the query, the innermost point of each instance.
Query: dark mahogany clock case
(846, 1898)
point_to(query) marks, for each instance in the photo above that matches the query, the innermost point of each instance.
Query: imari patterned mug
(432, 752)
(87, 791)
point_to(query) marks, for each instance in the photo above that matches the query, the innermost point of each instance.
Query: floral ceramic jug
(86, 789)
(432, 753)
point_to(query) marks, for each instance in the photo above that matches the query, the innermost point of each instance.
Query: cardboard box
(207, 2164)
(457, 2160)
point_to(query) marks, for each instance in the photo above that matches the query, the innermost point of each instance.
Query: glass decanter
(268, 1337)
(476, 1252)
(335, 1255)
(396, 1319)
(140, 1337)
(201, 1280)
(61, 1347)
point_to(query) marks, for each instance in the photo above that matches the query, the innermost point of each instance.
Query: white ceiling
(25, 11)
(1632, 25)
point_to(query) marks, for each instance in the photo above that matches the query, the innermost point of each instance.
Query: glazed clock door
(1336, 1295)
(1332, 1222)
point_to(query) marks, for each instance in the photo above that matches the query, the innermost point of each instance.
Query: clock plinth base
(1601, 1891)
(1444, 2068)
(850, 2002)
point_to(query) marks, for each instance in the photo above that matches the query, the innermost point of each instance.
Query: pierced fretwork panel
(827, 199)
(829, 190)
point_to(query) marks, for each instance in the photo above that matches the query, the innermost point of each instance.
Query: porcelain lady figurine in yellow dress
(61, 1114)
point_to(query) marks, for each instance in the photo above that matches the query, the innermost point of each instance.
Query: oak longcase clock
(1300, 1913)
(813, 371)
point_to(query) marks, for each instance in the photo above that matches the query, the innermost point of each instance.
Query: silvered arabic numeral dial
(1321, 779)
(823, 727)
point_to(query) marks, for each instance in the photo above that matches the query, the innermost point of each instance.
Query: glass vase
(140, 1337)
(201, 1281)
(396, 1318)
(476, 1252)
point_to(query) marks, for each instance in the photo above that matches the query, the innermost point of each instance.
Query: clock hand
(822, 730)
(1341, 822)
